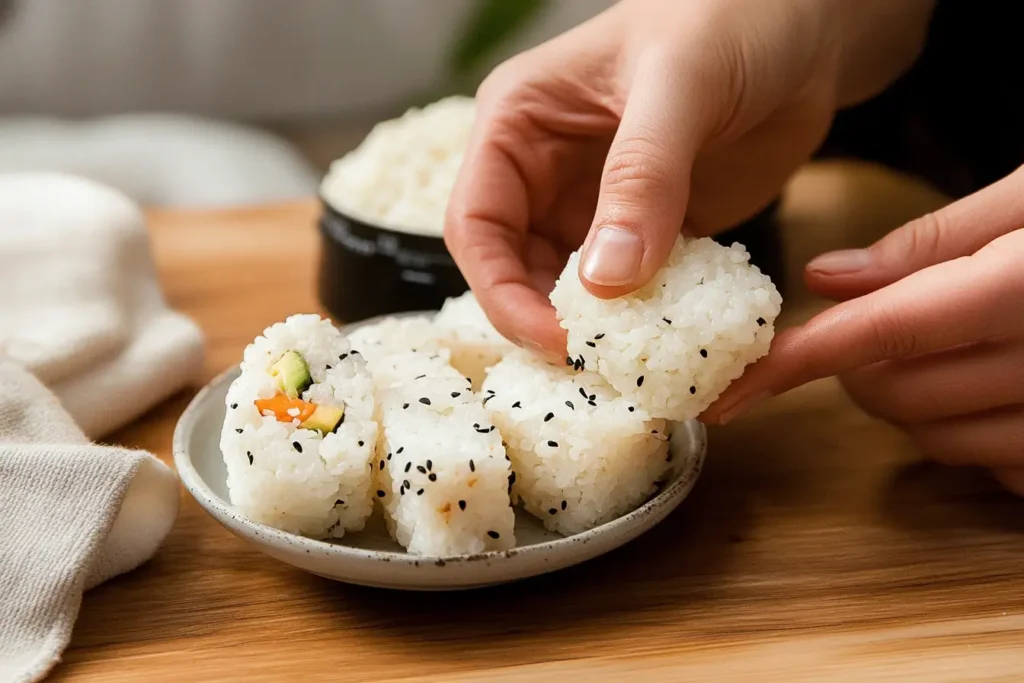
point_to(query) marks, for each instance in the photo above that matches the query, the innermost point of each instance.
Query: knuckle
(637, 163)
(923, 237)
(891, 336)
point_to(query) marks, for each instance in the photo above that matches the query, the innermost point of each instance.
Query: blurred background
(223, 102)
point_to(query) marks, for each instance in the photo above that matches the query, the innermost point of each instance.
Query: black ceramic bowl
(368, 270)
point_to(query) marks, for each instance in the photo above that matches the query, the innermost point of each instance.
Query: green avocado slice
(325, 419)
(292, 374)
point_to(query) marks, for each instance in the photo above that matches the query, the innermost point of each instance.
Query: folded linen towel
(86, 338)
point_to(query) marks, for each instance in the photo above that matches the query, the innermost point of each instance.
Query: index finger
(950, 304)
(485, 231)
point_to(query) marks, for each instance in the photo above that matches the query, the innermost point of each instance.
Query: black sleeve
(957, 117)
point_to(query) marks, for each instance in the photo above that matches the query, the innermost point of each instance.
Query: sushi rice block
(299, 436)
(443, 477)
(583, 454)
(673, 346)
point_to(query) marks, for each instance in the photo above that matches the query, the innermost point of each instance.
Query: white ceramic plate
(371, 558)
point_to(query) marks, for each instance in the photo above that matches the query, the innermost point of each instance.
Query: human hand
(656, 115)
(929, 335)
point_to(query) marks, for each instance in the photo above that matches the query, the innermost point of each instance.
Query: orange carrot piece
(281, 404)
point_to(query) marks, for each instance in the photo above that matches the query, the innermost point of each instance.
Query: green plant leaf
(493, 22)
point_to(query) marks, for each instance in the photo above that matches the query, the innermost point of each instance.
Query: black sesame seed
(599, 336)
(462, 505)
(552, 511)
(234, 406)
(488, 398)
(494, 534)
(401, 490)
(577, 366)
(476, 425)
(238, 431)
(469, 380)
(569, 403)
(592, 397)
(472, 467)
(508, 458)
(490, 391)
(568, 360)
(517, 404)
(425, 401)
(408, 466)
(249, 454)
(548, 417)
(327, 367)
(430, 465)
(456, 394)
(419, 493)
(703, 353)
(761, 322)
(419, 377)
(389, 456)
(343, 356)
(564, 504)
(297, 445)
(511, 478)
(640, 381)
(553, 444)
(406, 484)
(362, 443)
(583, 392)
(432, 477)
(591, 344)
(405, 406)
(421, 469)
(693, 390)
(667, 321)
(339, 502)
(631, 409)
(382, 464)
(355, 352)
(592, 404)
(400, 449)
(380, 493)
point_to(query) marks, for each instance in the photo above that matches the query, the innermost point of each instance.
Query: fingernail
(742, 406)
(613, 257)
(841, 262)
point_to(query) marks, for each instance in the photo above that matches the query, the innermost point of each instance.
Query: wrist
(877, 42)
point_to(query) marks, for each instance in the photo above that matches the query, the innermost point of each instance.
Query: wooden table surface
(815, 547)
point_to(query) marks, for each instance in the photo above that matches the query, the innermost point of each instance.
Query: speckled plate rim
(647, 515)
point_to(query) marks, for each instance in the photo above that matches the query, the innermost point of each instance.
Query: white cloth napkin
(86, 338)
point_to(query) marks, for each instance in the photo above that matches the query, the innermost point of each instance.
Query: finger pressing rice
(583, 455)
(674, 345)
(299, 436)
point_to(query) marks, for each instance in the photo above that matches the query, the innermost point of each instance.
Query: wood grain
(815, 547)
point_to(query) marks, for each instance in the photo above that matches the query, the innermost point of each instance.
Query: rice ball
(673, 346)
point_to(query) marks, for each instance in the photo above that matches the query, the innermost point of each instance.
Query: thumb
(645, 184)
(960, 229)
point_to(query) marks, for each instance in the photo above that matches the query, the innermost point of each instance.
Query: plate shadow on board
(679, 566)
